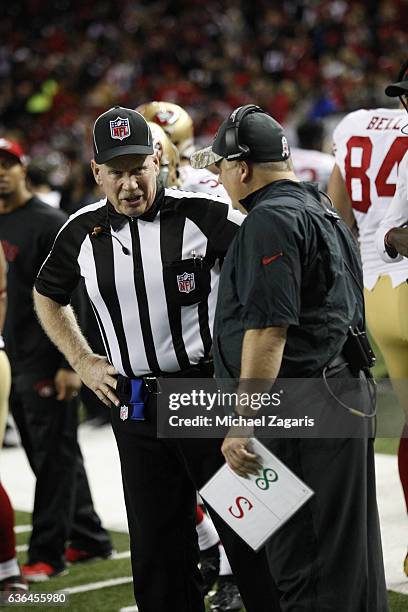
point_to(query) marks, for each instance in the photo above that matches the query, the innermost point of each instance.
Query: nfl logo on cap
(119, 128)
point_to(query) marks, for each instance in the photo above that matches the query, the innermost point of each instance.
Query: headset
(234, 149)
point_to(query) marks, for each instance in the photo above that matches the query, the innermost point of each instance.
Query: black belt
(203, 369)
(336, 365)
(338, 361)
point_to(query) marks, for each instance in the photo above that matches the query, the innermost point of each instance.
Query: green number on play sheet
(268, 476)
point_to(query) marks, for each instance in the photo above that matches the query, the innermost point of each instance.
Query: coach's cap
(121, 131)
(257, 137)
(12, 148)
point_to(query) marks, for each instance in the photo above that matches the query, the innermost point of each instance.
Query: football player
(168, 156)
(178, 125)
(369, 146)
(309, 161)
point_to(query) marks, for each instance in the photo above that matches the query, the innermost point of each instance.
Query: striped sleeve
(217, 220)
(59, 274)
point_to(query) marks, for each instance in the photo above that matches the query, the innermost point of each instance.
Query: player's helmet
(174, 120)
(168, 156)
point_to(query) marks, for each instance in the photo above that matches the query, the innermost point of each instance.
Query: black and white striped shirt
(152, 280)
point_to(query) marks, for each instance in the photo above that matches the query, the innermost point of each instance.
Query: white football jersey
(368, 147)
(397, 213)
(312, 165)
(201, 180)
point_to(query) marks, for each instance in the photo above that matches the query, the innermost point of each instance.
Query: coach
(285, 303)
(150, 259)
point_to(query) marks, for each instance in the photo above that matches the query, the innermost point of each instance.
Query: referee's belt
(125, 386)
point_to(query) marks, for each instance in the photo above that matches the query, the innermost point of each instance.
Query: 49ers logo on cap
(119, 128)
(186, 282)
(285, 147)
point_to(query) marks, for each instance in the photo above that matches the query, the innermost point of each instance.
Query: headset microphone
(99, 230)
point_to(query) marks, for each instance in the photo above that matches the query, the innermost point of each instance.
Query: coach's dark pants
(328, 556)
(160, 479)
(63, 508)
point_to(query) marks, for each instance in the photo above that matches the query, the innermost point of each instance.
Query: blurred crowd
(62, 62)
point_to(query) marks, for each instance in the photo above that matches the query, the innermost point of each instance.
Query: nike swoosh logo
(268, 260)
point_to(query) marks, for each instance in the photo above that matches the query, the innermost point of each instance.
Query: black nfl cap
(121, 131)
(257, 138)
(401, 87)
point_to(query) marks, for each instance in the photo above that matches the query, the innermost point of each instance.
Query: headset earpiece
(235, 149)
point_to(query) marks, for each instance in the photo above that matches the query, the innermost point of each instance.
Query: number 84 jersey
(368, 146)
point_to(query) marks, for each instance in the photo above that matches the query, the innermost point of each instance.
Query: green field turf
(390, 417)
(112, 598)
(109, 599)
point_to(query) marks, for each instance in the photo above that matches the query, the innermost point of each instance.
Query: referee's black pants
(160, 480)
(63, 508)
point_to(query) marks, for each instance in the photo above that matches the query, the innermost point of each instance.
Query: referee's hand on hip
(99, 375)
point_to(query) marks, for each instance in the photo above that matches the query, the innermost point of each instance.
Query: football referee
(150, 258)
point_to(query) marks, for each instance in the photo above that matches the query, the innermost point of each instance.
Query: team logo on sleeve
(186, 282)
(119, 128)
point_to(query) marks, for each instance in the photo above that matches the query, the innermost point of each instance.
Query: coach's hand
(99, 375)
(67, 384)
(237, 456)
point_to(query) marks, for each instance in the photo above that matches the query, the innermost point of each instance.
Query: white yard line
(122, 555)
(22, 528)
(129, 609)
(95, 586)
(125, 554)
(398, 587)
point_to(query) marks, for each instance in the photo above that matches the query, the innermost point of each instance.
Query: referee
(150, 258)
